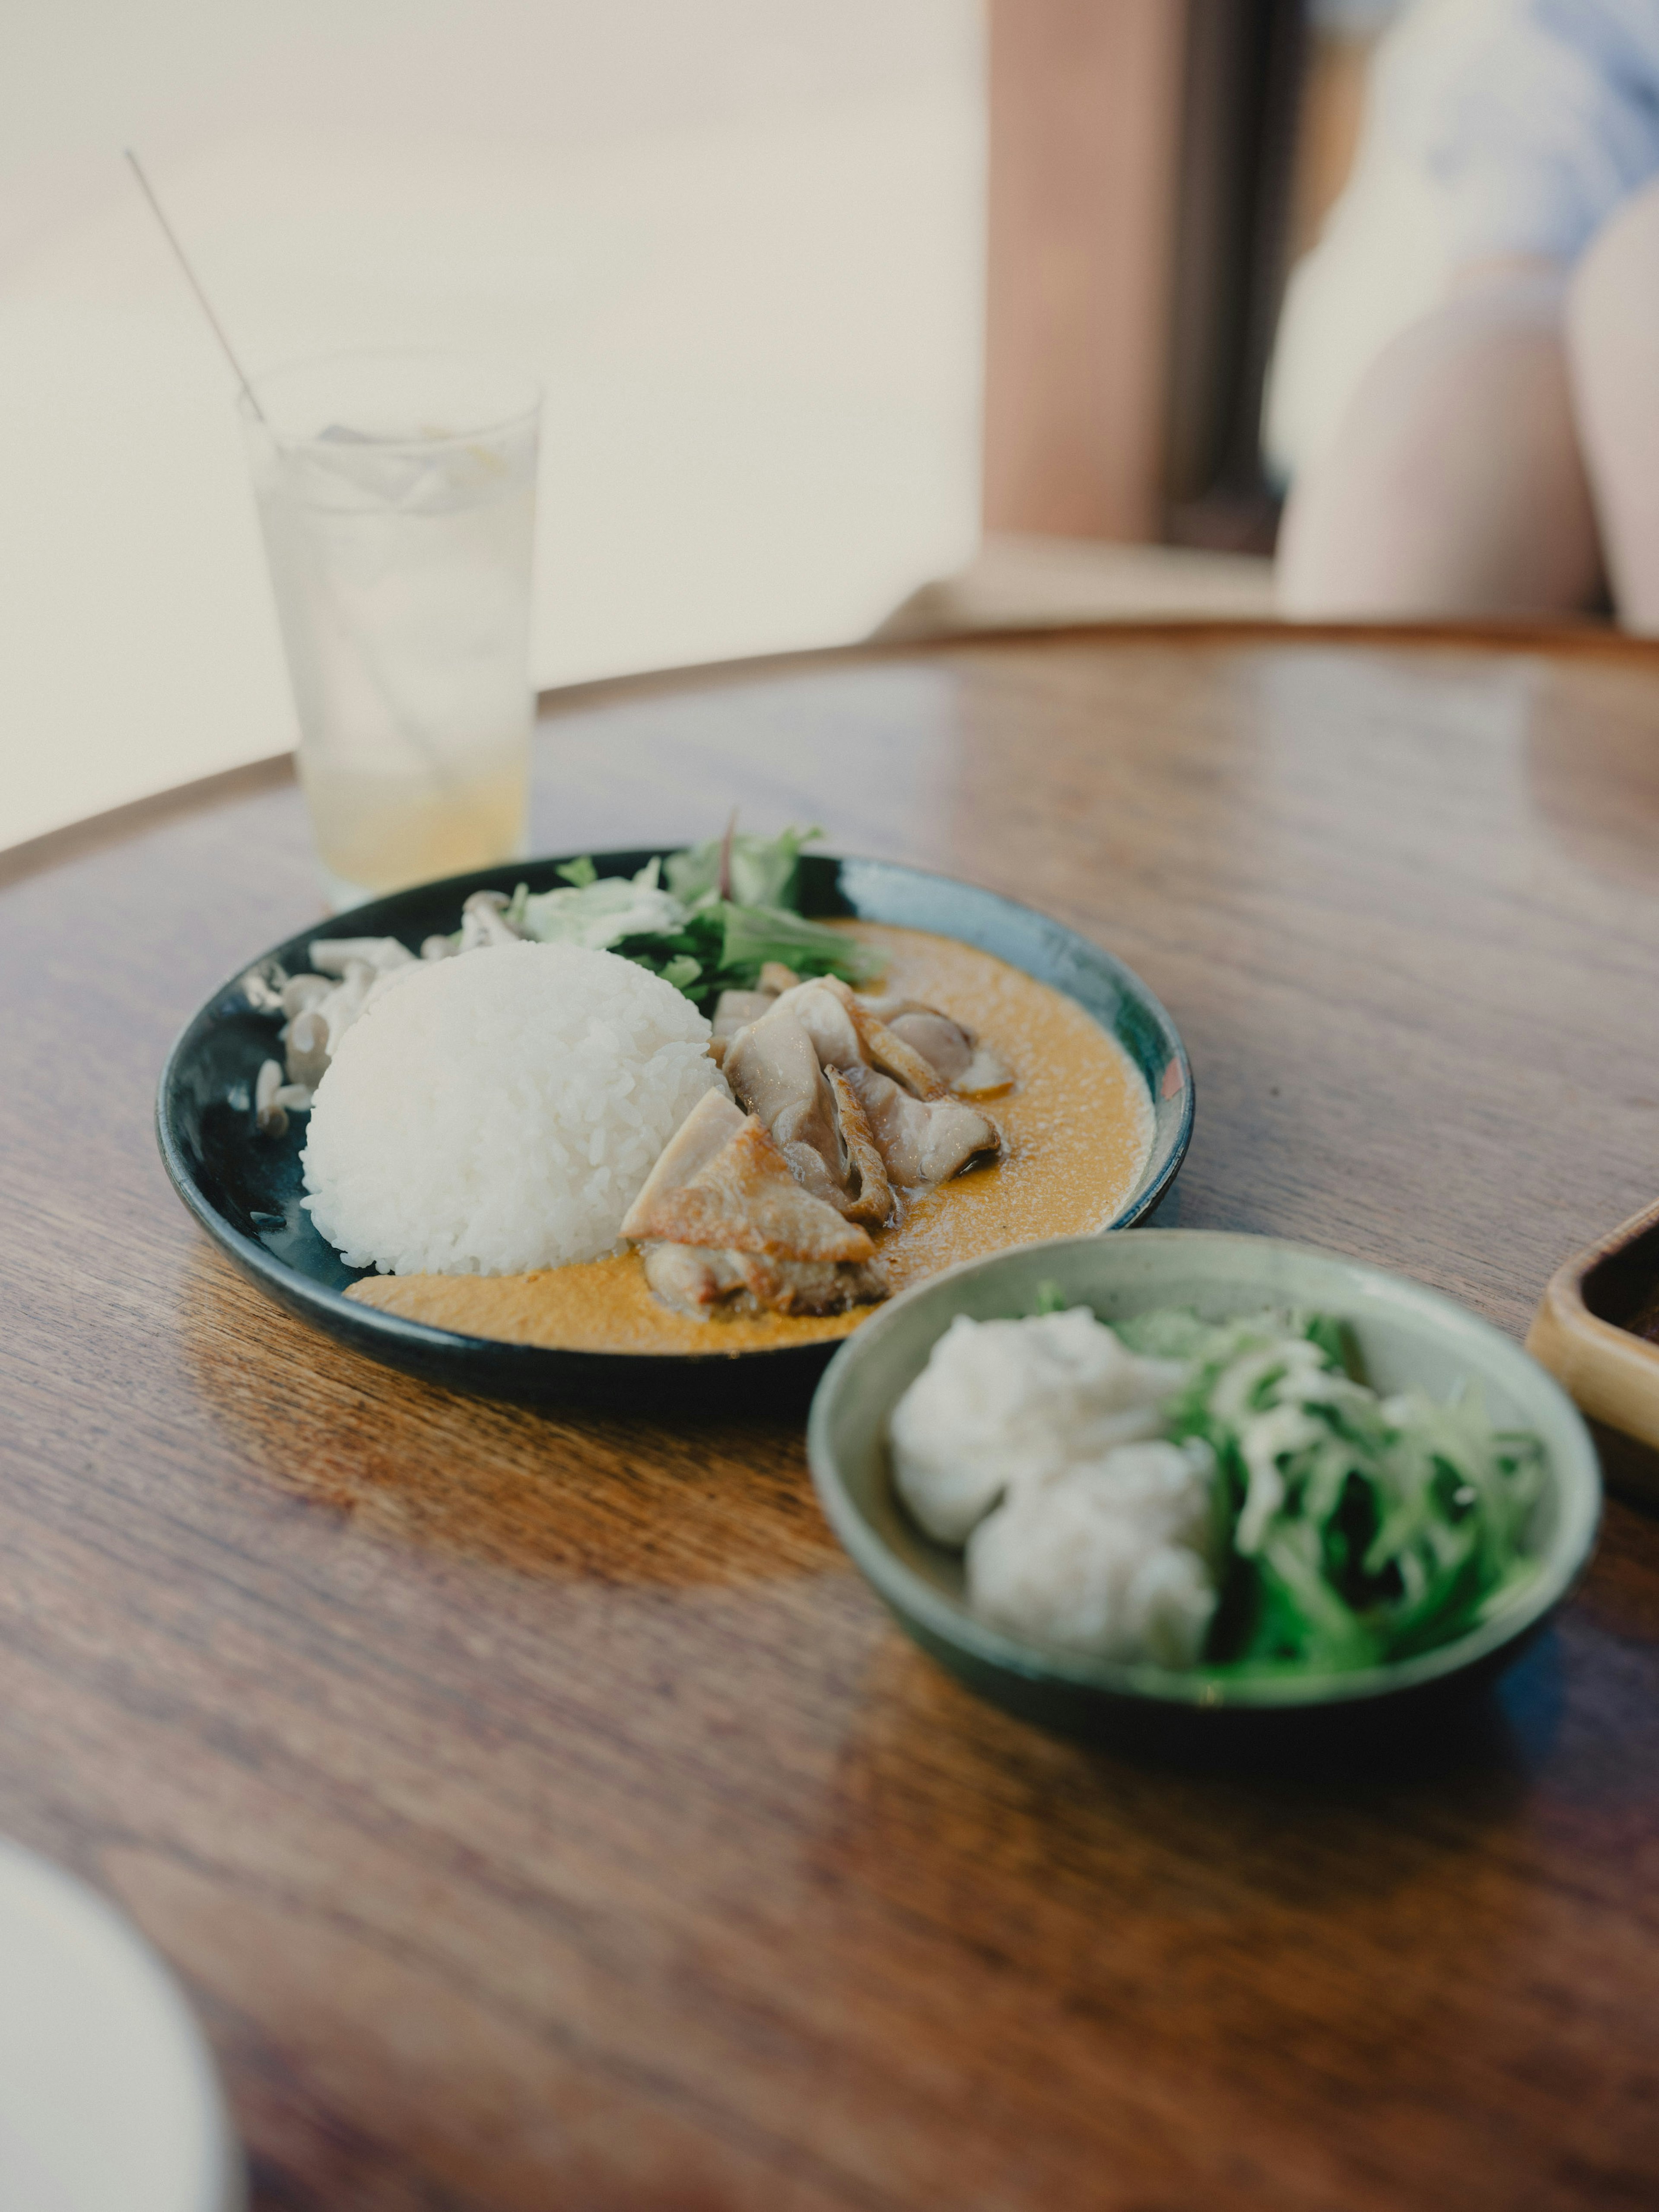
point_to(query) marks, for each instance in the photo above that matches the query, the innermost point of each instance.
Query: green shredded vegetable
(1363, 1527)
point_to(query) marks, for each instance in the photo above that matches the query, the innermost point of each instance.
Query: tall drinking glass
(396, 496)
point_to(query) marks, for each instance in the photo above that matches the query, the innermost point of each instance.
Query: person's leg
(1612, 346)
(1454, 485)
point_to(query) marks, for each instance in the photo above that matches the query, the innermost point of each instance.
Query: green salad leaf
(755, 934)
(761, 871)
(685, 931)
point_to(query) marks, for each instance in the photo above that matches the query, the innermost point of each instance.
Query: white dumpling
(1111, 1558)
(1005, 1402)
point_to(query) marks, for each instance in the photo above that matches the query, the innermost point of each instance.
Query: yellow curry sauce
(1077, 1127)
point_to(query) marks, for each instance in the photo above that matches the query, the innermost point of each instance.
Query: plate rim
(331, 1308)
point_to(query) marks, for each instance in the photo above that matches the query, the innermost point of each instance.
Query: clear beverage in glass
(397, 497)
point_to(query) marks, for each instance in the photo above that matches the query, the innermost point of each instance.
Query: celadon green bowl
(1405, 1335)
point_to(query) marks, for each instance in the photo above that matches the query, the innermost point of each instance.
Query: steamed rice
(496, 1113)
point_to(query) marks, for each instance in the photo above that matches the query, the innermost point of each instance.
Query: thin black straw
(206, 305)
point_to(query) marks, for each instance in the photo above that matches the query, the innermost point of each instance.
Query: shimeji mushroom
(263, 988)
(271, 1117)
(306, 1042)
(484, 922)
(334, 955)
(302, 992)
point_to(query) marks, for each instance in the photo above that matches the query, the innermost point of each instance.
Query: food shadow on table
(478, 1493)
(556, 1492)
(925, 1758)
(1501, 1726)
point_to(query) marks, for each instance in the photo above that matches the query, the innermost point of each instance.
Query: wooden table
(538, 1807)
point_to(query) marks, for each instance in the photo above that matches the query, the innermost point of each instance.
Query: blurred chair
(1155, 168)
(1048, 583)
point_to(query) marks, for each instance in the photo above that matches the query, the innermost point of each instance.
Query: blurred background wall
(740, 241)
(917, 314)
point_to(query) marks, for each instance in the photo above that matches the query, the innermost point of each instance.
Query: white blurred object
(108, 2098)
(1385, 252)
(1494, 130)
(739, 243)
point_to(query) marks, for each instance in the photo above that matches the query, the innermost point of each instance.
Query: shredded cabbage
(689, 934)
(599, 911)
(1363, 1527)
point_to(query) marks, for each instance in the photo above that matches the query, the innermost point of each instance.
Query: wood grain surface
(538, 1809)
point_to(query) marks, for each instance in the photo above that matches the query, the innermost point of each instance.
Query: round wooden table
(539, 1809)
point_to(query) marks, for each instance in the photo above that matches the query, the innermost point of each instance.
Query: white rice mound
(500, 1111)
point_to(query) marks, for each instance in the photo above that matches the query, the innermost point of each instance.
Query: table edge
(1573, 638)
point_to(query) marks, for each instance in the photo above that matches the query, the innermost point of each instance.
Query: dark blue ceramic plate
(245, 1192)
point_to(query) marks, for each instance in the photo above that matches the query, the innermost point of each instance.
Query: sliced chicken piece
(712, 1122)
(774, 1066)
(774, 1070)
(734, 1010)
(692, 1277)
(953, 1053)
(869, 1195)
(730, 1187)
(775, 978)
(950, 1046)
(986, 1073)
(846, 1035)
(922, 1141)
(697, 1280)
(828, 1020)
(725, 1223)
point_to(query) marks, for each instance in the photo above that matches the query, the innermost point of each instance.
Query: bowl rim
(912, 1597)
(379, 1334)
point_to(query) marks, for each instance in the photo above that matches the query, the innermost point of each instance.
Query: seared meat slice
(858, 1106)
(950, 1048)
(725, 1222)
(697, 1279)
(773, 1067)
(942, 1042)
(734, 1010)
(827, 1019)
(868, 1189)
(710, 1126)
(846, 1035)
(722, 1181)
(922, 1141)
(953, 1053)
